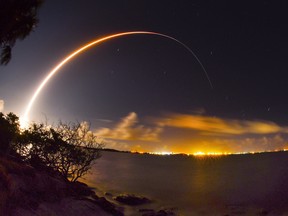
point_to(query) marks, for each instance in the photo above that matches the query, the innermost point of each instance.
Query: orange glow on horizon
(162, 153)
(199, 154)
(208, 154)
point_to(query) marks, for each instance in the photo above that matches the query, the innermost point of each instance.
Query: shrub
(9, 130)
(71, 149)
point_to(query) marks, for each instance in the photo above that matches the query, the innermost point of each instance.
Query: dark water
(240, 184)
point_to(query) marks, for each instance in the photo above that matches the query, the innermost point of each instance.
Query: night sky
(148, 93)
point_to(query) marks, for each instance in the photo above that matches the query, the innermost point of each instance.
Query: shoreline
(27, 191)
(217, 186)
(136, 204)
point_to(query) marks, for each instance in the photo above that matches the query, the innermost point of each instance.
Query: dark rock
(162, 212)
(26, 191)
(263, 212)
(108, 206)
(132, 200)
(79, 189)
(94, 196)
(108, 194)
(149, 214)
(146, 210)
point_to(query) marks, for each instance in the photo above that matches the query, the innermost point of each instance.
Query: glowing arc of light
(78, 51)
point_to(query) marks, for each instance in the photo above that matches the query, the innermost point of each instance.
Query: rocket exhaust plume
(77, 52)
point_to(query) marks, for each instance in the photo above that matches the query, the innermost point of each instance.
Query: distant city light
(162, 153)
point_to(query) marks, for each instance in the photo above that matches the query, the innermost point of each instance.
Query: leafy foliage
(17, 19)
(69, 149)
(9, 131)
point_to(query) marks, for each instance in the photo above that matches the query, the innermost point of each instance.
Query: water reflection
(198, 185)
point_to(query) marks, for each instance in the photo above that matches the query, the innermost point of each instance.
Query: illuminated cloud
(265, 143)
(214, 125)
(193, 133)
(129, 129)
(105, 120)
(1, 105)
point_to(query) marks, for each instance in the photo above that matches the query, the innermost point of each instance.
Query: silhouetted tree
(70, 149)
(36, 145)
(81, 150)
(9, 131)
(17, 19)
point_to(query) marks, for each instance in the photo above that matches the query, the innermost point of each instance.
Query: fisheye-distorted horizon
(144, 93)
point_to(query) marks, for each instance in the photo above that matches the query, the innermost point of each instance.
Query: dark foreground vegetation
(40, 167)
(69, 150)
(17, 20)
